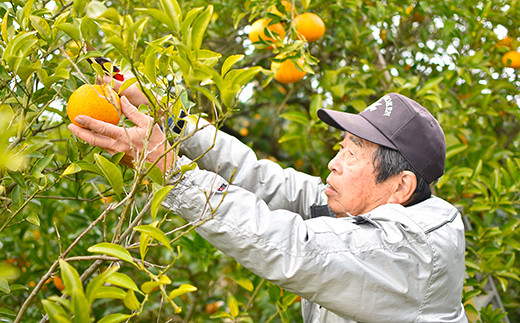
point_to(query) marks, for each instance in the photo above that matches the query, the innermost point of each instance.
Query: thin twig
(48, 274)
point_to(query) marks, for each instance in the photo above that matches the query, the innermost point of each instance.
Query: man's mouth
(329, 189)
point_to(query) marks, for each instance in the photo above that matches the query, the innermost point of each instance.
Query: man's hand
(131, 141)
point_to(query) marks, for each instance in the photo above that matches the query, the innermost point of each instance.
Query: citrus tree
(85, 238)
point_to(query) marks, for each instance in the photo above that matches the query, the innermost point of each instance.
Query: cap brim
(354, 124)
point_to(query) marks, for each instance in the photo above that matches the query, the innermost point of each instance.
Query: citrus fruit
(58, 283)
(97, 101)
(286, 5)
(309, 26)
(286, 72)
(73, 48)
(258, 32)
(9, 272)
(505, 42)
(511, 59)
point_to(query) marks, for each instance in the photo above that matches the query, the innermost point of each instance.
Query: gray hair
(390, 162)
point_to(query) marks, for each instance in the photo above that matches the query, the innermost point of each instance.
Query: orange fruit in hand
(97, 101)
(511, 59)
(258, 32)
(286, 72)
(309, 26)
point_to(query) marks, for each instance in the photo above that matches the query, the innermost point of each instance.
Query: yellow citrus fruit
(73, 48)
(286, 5)
(505, 42)
(97, 101)
(286, 72)
(511, 59)
(258, 31)
(309, 26)
(9, 272)
(244, 132)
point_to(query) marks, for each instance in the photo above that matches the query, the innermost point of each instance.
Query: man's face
(352, 182)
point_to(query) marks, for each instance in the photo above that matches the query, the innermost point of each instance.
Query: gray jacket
(393, 264)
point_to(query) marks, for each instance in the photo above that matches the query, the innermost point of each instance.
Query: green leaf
(233, 305)
(221, 315)
(127, 83)
(33, 219)
(89, 167)
(289, 137)
(43, 163)
(131, 302)
(111, 172)
(199, 28)
(74, 288)
(18, 178)
(148, 287)
(183, 289)
(174, 13)
(297, 117)
(229, 62)
(26, 13)
(55, 312)
(108, 292)
(305, 3)
(79, 7)
(115, 318)
(116, 158)
(316, 104)
(150, 68)
(186, 26)
(5, 311)
(158, 15)
(455, 150)
(112, 249)
(245, 283)
(429, 85)
(122, 280)
(490, 250)
(18, 49)
(97, 282)
(70, 277)
(155, 173)
(42, 27)
(4, 286)
(155, 233)
(158, 198)
(5, 37)
(65, 303)
(70, 29)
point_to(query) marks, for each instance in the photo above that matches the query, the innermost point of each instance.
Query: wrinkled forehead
(358, 141)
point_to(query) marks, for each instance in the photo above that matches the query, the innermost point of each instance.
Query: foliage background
(444, 54)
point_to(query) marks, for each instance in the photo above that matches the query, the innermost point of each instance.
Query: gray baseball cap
(400, 123)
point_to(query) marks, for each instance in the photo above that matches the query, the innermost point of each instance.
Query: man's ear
(406, 182)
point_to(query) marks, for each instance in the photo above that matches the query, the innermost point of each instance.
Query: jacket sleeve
(279, 188)
(347, 266)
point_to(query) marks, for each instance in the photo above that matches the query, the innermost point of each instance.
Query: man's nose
(334, 164)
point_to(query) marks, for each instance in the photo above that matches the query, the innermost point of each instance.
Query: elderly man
(372, 245)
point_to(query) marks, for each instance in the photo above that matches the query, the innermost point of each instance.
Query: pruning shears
(101, 61)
